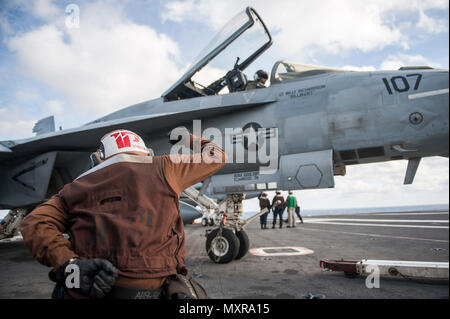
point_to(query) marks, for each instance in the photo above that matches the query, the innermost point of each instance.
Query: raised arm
(183, 170)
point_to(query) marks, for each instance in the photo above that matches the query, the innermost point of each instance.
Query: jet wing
(86, 138)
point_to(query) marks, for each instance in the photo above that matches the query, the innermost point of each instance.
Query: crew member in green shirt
(291, 203)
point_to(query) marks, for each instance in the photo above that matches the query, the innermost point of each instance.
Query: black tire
(211, 222)
(204, 222)
(244, 243)
(226, 247)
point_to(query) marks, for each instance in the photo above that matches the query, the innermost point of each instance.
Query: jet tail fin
(45, 125)
(413, 164)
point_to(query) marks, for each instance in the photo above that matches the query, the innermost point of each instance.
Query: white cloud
(106, 64)
(14, 124)
(395, 61)
(177, 10)
(307, 27)
(357, 68)
(431, 25)
(54, 106)
(26, 96)
(431, 176)
(44, 9)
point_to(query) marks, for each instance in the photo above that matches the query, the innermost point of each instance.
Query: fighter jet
(298, 133)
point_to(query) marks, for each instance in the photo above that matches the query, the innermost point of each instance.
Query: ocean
(365, 210)
(361, 210)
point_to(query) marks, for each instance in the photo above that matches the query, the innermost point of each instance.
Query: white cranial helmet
(121, 141)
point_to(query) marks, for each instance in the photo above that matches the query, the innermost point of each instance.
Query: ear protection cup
(101, 151)
(94, 159)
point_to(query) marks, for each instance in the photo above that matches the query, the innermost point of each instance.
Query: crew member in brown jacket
(278, 208)
(123, 219)
(264, 205)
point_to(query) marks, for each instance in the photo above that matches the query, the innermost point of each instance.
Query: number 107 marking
(400, 83)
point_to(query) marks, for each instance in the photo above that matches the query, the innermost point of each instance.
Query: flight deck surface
(278, 271)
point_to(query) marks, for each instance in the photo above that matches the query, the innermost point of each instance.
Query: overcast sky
(125, 52)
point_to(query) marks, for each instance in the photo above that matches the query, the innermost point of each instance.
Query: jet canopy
(285, 71)
(245, 38)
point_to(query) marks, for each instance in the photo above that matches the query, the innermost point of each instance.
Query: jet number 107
(401, 84)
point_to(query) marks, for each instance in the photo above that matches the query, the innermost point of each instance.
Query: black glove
(97, 276)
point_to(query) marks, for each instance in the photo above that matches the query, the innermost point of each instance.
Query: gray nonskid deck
(283, 276)
(296, 276)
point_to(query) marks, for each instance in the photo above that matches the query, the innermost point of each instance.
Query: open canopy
(245, 37)
(285, 71)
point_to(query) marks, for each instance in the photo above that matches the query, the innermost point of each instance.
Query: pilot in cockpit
(260, 77)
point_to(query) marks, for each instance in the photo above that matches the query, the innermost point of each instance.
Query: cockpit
(220, 66)
(284, 71)
(216, 70)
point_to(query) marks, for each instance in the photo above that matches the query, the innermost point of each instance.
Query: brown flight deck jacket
(126, 210)
(280, 198)
(264, 202)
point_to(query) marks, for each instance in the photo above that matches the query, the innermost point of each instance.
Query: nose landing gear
(229, 241)
(230, 231)
(222, 245)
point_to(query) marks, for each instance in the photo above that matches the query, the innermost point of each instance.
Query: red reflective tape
(339, 265)
(126, 141)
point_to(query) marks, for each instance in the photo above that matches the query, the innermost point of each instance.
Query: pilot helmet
(261, 74)
(121, 141)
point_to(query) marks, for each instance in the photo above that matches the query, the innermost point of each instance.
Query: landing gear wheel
(244, 243)
(222, 248)
(204, 222)
(211, 222)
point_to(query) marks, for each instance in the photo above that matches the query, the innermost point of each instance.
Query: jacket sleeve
(184, 170)
(42, 232)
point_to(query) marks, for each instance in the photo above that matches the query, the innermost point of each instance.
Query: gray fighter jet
(313, 121)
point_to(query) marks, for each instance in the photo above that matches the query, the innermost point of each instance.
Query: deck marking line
(427, 94)
(299, 251)
(376, 235)
(378, 220)
(377, 225)
(399, 214)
